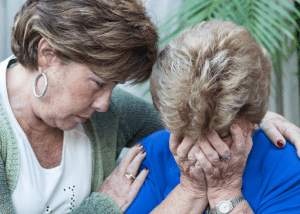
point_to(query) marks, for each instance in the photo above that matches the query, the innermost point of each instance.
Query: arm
(137, 118)
(224, 179)
(189, 196)
(6, 206)
(168, 189)
(180, 201)
(117, 192)
(277, 128)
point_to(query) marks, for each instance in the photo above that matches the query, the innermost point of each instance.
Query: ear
(46, 54)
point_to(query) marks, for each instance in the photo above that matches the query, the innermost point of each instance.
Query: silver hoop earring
(45, 88)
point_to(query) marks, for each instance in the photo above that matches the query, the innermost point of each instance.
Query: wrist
(215, 196)
(192, 193)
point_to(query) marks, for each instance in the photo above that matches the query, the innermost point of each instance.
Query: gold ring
(130, 176)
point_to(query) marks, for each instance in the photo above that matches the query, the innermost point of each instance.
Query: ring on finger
(225, 159)
(181, 160)
(130, 176)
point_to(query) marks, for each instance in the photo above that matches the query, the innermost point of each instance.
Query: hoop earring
(34, 85)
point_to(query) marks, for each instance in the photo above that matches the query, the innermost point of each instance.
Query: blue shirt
(271, 180)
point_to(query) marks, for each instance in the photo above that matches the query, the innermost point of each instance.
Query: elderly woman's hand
(276, 127)
(192, 179)
(121, 188)
(224, 179)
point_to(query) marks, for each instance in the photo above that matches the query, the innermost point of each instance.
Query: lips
(83, 119)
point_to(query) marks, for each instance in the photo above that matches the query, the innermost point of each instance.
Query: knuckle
(211, 155)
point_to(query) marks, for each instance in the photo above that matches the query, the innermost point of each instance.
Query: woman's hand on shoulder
(224, 178)
(277, 128)
(120, 186)
(192, 179)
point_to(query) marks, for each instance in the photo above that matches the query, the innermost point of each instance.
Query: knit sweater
(128, 120)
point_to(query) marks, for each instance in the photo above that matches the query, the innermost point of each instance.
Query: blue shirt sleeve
(271, 181)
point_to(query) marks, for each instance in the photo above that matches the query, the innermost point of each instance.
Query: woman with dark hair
(211, 86)
(63, 124)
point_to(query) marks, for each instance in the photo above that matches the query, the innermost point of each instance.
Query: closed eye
(100, 84)
(228, 135)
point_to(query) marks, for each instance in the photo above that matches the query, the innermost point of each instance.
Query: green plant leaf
(269, 19)
(270, 38)
(280, 10)
(273, 31)
(276, 16)
(188, 9)
(212, 8)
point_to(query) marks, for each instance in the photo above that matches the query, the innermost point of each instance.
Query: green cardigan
(128, 120)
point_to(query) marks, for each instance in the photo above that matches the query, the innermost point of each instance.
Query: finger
(273, 133)
(174, 142)
(134, 166)
(249, 144)
(138, 182)
(273, 129)
(130, 155)
(238, 139)
(204, 162)
(221, 148)
(292, 134)
(197, 172)
(189, 161)
(184, 148)
(191, 155)
(135, 187)
(209, 151)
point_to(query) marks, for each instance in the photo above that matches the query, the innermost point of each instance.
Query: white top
(57, 190)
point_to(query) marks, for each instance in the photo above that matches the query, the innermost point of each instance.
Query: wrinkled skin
(120, 189)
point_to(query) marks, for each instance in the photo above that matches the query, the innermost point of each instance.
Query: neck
(22, 101)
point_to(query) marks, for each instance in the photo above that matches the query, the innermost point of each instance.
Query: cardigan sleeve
(98, 203)
(137, 119)
(6, 206)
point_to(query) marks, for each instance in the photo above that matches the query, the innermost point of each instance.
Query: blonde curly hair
(209, 75)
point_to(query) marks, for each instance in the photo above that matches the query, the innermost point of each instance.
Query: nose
(101, 103)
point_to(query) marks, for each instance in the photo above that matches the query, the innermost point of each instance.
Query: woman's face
(74, 93)
(225, 134)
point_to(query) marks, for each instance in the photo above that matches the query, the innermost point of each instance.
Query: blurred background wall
(285, 86)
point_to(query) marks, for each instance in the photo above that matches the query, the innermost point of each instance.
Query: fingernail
(143, 151)
(139, 144)
(233, 126)
(146, 169)
(280, 144)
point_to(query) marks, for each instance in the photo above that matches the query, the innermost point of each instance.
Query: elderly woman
(212, 83)
(62, 125)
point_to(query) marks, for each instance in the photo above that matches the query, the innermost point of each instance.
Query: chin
(67, 126)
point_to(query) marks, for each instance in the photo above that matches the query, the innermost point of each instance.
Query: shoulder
(158, 155)
(272, 177)
(157, 143)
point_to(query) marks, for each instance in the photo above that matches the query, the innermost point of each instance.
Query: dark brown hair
(115, 37)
